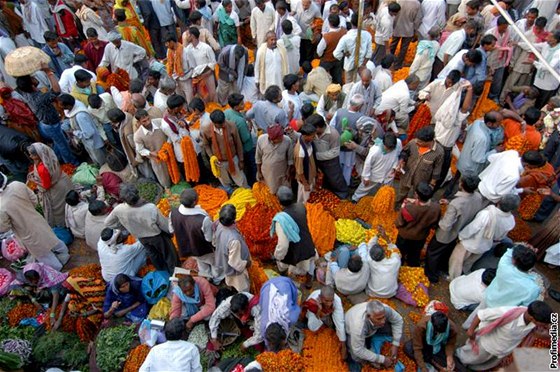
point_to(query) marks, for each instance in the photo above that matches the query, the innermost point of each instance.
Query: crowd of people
(453, 103)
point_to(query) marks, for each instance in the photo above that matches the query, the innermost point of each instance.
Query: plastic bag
(148, 336)
(12, 249)
(85, 175)
(155, 286)
(6, 278)
(161, 310)
(434, 306)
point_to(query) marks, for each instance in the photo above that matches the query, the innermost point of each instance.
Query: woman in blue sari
(124, 298)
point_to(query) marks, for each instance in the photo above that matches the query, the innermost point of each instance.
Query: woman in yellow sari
(132, 33)
(131, 16)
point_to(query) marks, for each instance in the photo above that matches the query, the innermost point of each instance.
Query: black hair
(390, 140)
(235, 99)
(97, 207)
(488, 40)
(91, 32)
(194, 32)
(524, 257)
(175, 100)
(377, 253)
(82, 76)
(228, 213)
(307, 129)
(197, 104)
(154, 74)
(426, 134)
(540, 311)
(195, 16)
(424, 191)
(488, 276)
(439, 321)
(141, 113)
(217, 117)
(534, 158)
(354, 18)
(287, 26)
(454, 76)
(470, 182)
(541, 22)
(290, 80)
(394, 8)
(334, 20)
(306, 110)
(66, 100)
(239, 302)
(188, 198)
(474, 56)
(136, 86)
(121, 279)
(534, 11)
(491, 117)
(169, 37)
(32, 275)
(72, 198)
(474, 4)
(388, 61)
(174, 329)
(532, 115)
(25, 83)
(116, 115)
(275, 337)
(501, 248)
(79, 59)
(120, 15)
(316, 120)
(272, 93)
(106, 234)
(50, 36)
(95, 101)
(355, 264)
(502, 21)
(129, 193)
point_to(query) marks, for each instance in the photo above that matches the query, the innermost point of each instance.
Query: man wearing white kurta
(433, 12)
(492, 224)
(199, 61)
(501, 176)
(468, 290)
(336, 320)
(544, 81)
(346, 49)
(262, 20)
(271, 63)
(122, 54)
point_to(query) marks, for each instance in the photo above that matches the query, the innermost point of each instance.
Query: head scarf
(438, 340)
(190, 304)
(48, 277)
(334, 88)
(275, 132)
(49, 160)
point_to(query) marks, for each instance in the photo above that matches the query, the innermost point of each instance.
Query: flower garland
(210, 198)
(401, 74)
(350, 232)
(167, 155)
(321, 351)
(241, 198)
(255, 227)
(328, 199)
(283, 361)
(190, 162)
(483, 105)
(345, 209)
(321, 226)
(257, 276)
(262, 193)
(135, 358)
(521, 232)
(363, 208)
(517, 143)
(422, 118)
(214, 166)
(530, 205)
(19, 312)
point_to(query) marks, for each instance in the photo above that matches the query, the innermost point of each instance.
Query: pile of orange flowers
(530, 205)
(283, 361)
(257, 276)
(164, 207)
(326, 198)
(483, 105)
(190, 162)
(135, 358)
(210, 198)
(321, 226)
(346, 209)
(262, 193)
(21, 311)
(69, 169)
(411, 278)
(409, 364)
(415, 316)
(410, 53)
(85, 329)
(167, 155)
(68, 322)
(91, 271)
(363, 209)
(401, 74)
(383, 205)
(521, 232)
(255, 227)
(422, 118)
(321, 351)
(517, 143)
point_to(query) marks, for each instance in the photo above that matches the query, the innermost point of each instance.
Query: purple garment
(285, 286)
(519, 101)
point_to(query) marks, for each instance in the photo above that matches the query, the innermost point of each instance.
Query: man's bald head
(138, 100)
(327, 292)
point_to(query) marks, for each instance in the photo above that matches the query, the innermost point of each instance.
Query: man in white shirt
(346, 49)
(544, 81)
(384, 30)
(334, 9)
(271, 63)
(490, 342)
(350, 278)
(280, 16)
(501, 176)
(467, 291)
(369, 319)
(199, 61)
(262, 20)
(166, 88)
(324, 308)
(305, 13)
(117, 257)
(433, 12)
(461, 60)
(384, 73)
(379, 167)
(122, 54)
(397, 98)
(174, 354)
(452, 45)
(383, 271)
(67, 79)
(491, 224)
(369, 90)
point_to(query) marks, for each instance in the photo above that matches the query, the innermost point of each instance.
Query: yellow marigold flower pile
(410, 278)
(262, 194)
(321, 351)
(210, 198)
(521, 232)
(321, 226)
(283, 361)
(164, 207)
(241, 199)
(350, 232)
(400, 74)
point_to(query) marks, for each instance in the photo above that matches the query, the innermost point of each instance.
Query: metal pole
(524, 38)
(359, 35)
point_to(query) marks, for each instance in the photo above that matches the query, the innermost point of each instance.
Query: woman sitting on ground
(124, 298)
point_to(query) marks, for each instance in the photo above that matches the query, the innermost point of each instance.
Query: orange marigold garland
(401, 74)
(363, 208)
(383, 206)
(257, 276)
(521, 232)
(135, 358)
(529, 206)
(190, 162)
(283, 361)
(210, 198)
(255, 227)
(345, 209)
(21, 311)
(167, 155)
(85, 329)
(517, 143)
(262, 193)
(483, 105)
(321, 226)
(326, 198)
(321, 351)
(422, 118)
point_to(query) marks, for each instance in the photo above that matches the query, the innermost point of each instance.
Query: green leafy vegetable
(60, 349)
(112, 347)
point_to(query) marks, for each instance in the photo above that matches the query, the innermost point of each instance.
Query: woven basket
(25, 61)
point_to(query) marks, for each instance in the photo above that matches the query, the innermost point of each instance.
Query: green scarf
(438, 340)
(227, 32)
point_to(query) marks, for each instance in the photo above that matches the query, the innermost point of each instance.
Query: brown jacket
(419, 340)
(415, 221)
(332, 39)
(420, 168)
(233, 139)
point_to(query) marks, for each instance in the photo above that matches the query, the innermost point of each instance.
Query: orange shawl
(175, 60)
